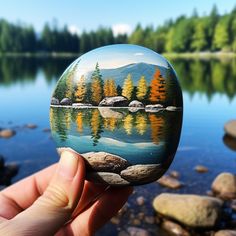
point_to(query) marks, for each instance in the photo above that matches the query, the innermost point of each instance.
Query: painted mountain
(136, 70)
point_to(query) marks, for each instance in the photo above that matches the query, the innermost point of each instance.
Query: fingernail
(68, 165)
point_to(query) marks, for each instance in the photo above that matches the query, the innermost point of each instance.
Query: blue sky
(121, 15)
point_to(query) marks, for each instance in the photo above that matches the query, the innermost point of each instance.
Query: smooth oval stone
(121, 107)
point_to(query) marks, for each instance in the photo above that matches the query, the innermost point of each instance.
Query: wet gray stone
(114, 101)
(136, 103)
(109, 113)
(154, 108)
(54, 101)
(66, 101)
(106, 178)
(105, 162)
(141, 173)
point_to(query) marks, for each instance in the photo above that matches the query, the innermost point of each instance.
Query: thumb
(54, 208)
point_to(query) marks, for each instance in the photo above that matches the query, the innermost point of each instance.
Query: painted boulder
(120, 107)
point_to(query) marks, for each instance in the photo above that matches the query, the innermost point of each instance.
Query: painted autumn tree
(142, 88)
(109, 89)
(80, 90)
(96, 126)
(157, 88)
(96, 85)
(157, 128)
(69, 81)
(128, 87)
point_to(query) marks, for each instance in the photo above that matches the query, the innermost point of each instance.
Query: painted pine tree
(142, 88)
(128, 87)
(80, 91)
(157, 88)
(96, 86)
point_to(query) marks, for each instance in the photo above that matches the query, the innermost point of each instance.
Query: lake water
(209, 94)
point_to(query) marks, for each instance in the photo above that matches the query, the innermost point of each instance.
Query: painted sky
(122, 15)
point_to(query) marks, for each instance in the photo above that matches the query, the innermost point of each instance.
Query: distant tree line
(211, 32)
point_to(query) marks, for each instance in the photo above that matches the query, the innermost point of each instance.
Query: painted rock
(120, 107)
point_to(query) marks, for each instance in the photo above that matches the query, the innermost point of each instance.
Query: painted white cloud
(121, 29)
(73, 29)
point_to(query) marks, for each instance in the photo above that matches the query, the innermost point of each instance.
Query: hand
(58, 200)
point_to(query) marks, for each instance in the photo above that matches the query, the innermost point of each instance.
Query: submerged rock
(169, 182)
(224, 185)
(7, 133)
(54, 101)
(136, 103)
(230, 128)
(201, 169)
(140, 200)
(135, 231)
(105, 162)
(66, 101)
(106, 178)
(190, 210)
(142, 173)
(174, 228)
(109, 113)
(225, 233)
(117, 101)
(175, 174)
(31, 126)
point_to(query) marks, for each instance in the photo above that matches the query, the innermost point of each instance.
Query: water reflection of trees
(154, 127)
(207, 76)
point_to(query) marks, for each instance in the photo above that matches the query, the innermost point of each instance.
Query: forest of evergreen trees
(213, 32)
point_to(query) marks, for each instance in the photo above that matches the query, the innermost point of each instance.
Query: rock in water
(105, 162)
(142, 173)
(117, 101)
(190, 210)
(225, 233)
(109, 113)
(106, 178)
(54, 101)
(174, 228)
(230, 128)
(201, 169)
(224, 185)
(31, 126)
(171, 108)
(136, 103)
(7, 133)
(66, 102)
(169, 182)
(135, 231)
(153, 108)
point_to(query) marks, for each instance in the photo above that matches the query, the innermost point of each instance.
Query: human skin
(59, 201)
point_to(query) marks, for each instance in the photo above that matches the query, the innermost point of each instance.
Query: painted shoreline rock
(120, 107)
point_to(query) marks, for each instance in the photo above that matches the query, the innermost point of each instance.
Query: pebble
(7, 133)
(31, 126)
(169, 182)
(141, 215)
(136, 231)
(201, 169)
(225, 233)
(149, 219)
(174, 174)
(174, 229)
(136, 222)
(115, 220)
(140, 200)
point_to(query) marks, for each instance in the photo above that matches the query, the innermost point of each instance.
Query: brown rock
(140, 200)
(105, 162)
(174, 174)
(106, 178)
(136, 222)
(115, 220)
(230, 142)
(230, 128)
(169, 182)
(7, 133)
(141, 174)
(201, 169)
(135, 231)
(174, 229)
(141, 215)
(225, 233)
(149, 219)
(224, 185)
(191, 210)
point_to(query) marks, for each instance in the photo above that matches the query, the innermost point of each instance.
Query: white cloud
(121, 29)
(73, 29)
